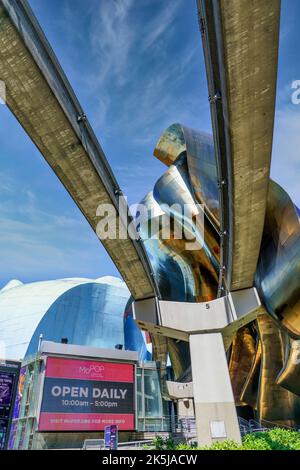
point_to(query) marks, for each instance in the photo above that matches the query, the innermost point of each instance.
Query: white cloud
(111, 38)
(6, 184)
(133, 77)
(160, 24)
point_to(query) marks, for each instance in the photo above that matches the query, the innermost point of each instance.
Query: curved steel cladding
(183, 273)
(278, 271)
(240, 41)
(134, 339)
(202, 168)
(172, 267)
(198, 148)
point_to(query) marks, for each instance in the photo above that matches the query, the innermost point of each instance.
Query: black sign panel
(87, 396)
(9, 373)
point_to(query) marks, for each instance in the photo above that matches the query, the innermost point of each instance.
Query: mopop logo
(93, 370)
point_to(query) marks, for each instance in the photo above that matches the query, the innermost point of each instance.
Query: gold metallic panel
(250, 389)
(289, 377)
(241, 359)
(275, 404)
(170, 145)
(180, 356)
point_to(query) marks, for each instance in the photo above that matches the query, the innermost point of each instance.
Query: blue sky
(136, 67)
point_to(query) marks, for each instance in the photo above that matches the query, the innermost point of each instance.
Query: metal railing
(136, 444)
(168, 424)
(247, 427)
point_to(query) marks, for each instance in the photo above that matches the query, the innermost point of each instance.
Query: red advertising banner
(89, 370)
(84, 395)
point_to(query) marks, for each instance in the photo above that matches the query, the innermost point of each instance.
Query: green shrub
(161, 443)
(158, 443)
(224, 445)
(184, 446)
(170, 444)
(275, 439)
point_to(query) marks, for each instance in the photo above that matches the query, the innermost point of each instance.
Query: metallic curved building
(135, 340)
(87, 312)
(263, 356)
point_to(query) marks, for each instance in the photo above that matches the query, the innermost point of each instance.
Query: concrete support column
(215, 411)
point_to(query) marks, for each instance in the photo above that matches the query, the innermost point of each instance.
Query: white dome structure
(87, 312)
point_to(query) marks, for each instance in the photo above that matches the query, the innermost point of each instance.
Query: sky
(136, 66)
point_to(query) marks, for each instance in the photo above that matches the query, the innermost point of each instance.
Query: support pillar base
(215, 410)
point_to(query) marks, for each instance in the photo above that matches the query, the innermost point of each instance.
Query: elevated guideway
(240, 40)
